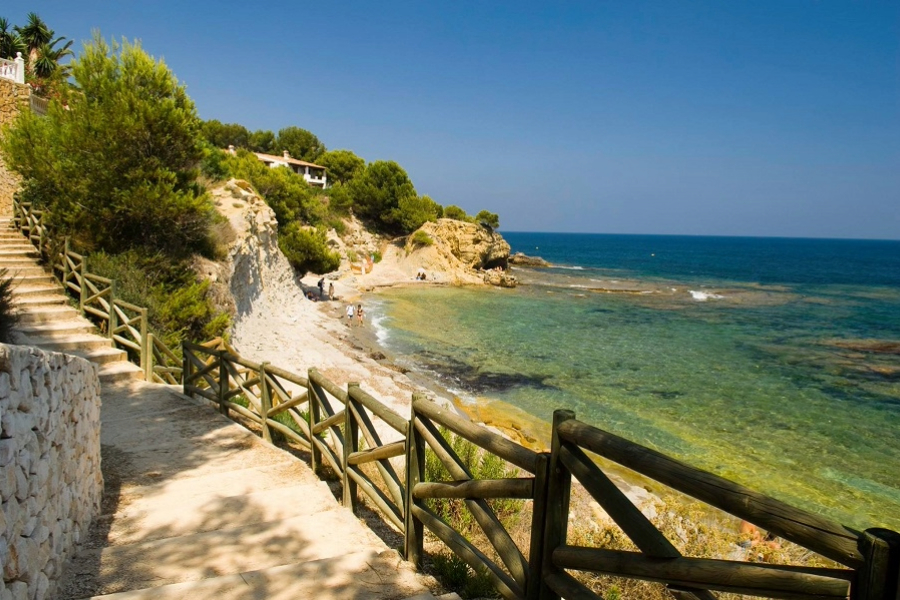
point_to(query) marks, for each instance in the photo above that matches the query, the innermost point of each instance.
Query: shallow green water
(749, 387)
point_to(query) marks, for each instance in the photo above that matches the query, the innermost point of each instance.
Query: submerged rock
(527, 261)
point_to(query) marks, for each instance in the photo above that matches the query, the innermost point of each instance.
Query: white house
(313, 174)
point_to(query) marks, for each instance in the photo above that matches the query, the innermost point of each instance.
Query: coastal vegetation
(115, 163)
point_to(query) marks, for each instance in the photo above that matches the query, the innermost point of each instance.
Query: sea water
(771, 362)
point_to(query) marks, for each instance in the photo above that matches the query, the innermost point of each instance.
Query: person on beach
(322, 288)
(350, 315)
(331, 291)
(359, 314)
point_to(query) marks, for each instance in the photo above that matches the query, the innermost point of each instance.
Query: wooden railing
(126, 324)
(339, 420)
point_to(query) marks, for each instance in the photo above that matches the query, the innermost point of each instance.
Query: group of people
(322, 289)
(357, 312)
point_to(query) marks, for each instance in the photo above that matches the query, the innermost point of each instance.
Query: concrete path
(195, 506)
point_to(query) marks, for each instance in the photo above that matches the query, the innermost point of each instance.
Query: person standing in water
(359, 314)
(350, 315)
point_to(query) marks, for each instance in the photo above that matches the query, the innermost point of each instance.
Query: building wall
(14, 97)
(50, 479)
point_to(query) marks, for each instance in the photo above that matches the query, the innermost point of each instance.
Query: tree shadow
(195, 501)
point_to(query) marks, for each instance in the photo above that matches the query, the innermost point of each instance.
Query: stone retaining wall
(50, 479)
(14, 97)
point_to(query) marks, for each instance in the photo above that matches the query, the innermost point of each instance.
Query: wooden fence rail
(382, 454)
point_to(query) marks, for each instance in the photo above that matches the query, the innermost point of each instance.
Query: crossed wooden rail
(346, 428)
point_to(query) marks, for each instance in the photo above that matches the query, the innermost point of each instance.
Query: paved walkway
(195, 506)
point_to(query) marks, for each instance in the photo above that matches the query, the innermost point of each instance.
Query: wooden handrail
(829, 539)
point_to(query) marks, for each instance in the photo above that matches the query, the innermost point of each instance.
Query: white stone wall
(50, 479)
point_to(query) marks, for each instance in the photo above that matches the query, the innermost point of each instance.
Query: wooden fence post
(146, 347)
(185, 370)
(559, 486)
(314, 391)
(113, 319)
(878, 578)
(415, 473)
(65, 265)
(538, 521)
(223, 383)
(82, 285)
(265, 403)
(351, 444)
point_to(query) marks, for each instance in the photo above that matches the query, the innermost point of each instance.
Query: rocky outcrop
(50, 479)
(524, 260)
(475, 246)
(254, 260)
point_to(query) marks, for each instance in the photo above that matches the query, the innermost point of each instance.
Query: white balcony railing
(13, 69)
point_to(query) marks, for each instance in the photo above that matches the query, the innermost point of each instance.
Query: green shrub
(456, 213)
(490, 219)
(421, 238)
(178, 305)
(8, 316)
(307, 249)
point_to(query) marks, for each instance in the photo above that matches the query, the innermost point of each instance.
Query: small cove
(748, 382)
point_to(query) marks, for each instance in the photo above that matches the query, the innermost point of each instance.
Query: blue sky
(704, 118)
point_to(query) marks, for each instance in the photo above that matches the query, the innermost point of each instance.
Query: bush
(307, 249)
(490, 219)
(456, 213)
(178, 306)
(421, 238)
(8, 316)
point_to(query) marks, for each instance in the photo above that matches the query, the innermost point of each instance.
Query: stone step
(22, 290)
(27, 271)
(39, 299)
(232, 548)
(75, 341)
(120, 371)
(17, 249)
(102, 356)
(11, 262)
(54, 329)
(148, 516)
(364, 574)
(30, 280)
(48, 314)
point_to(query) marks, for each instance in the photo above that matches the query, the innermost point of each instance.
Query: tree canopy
(342, 165)
(300, 144)
(117, 165)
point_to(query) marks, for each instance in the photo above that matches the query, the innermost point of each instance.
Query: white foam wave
(567, 268)
(704, 296)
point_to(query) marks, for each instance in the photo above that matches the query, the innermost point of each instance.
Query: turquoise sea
(772, 362)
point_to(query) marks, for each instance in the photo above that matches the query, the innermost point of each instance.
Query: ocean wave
(382, 333)
(704, 296)
(568, 268)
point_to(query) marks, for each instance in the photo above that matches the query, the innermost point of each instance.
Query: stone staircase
(197, 507)
(46, 318)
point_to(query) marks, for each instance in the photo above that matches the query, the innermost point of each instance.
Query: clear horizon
(714, 119)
